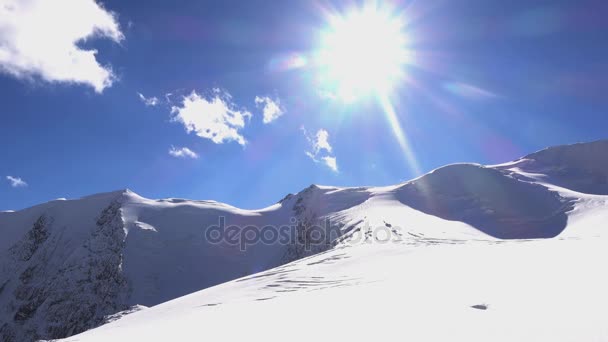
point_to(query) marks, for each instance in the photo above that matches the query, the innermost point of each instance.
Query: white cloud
(331, 163)
(215, 118)
(183, 152)
(272, 108)
(319, 144)
(39, 38)
(16, 182)
(149, 101)
(322, 142)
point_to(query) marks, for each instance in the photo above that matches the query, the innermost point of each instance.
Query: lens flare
(362, 53)
(287, 62)
(393, 120)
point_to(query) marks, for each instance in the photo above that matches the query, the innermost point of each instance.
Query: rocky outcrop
(312, 232)
(52, 298)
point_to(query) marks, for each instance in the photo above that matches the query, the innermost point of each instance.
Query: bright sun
(362, 53)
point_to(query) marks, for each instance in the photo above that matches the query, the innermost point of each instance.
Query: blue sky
(489, 82)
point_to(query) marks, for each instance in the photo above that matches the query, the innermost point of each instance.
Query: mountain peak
(116, 195)
(582, 167)
(582, 151)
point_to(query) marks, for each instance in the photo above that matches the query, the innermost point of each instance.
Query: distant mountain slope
(580, 167)
(68, 266)
(487, 199)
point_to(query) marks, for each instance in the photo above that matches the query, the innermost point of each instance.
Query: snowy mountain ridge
(70, 265)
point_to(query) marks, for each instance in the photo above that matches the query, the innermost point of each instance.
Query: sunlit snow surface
(464, 286)
(461, 265)
(542, 290)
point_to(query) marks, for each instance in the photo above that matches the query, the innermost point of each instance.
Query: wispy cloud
(39, 38)
(149, 101)
(331, 163)
(183, 152)
(320, 149)
(16, 182)
(214, 117)
(272, 108)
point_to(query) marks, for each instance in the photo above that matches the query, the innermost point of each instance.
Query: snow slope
(499, 205)
(581, 167)
(418, 290)
(66, 265)
(402, 261)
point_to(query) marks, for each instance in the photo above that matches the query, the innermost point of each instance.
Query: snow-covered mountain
(425, 259)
